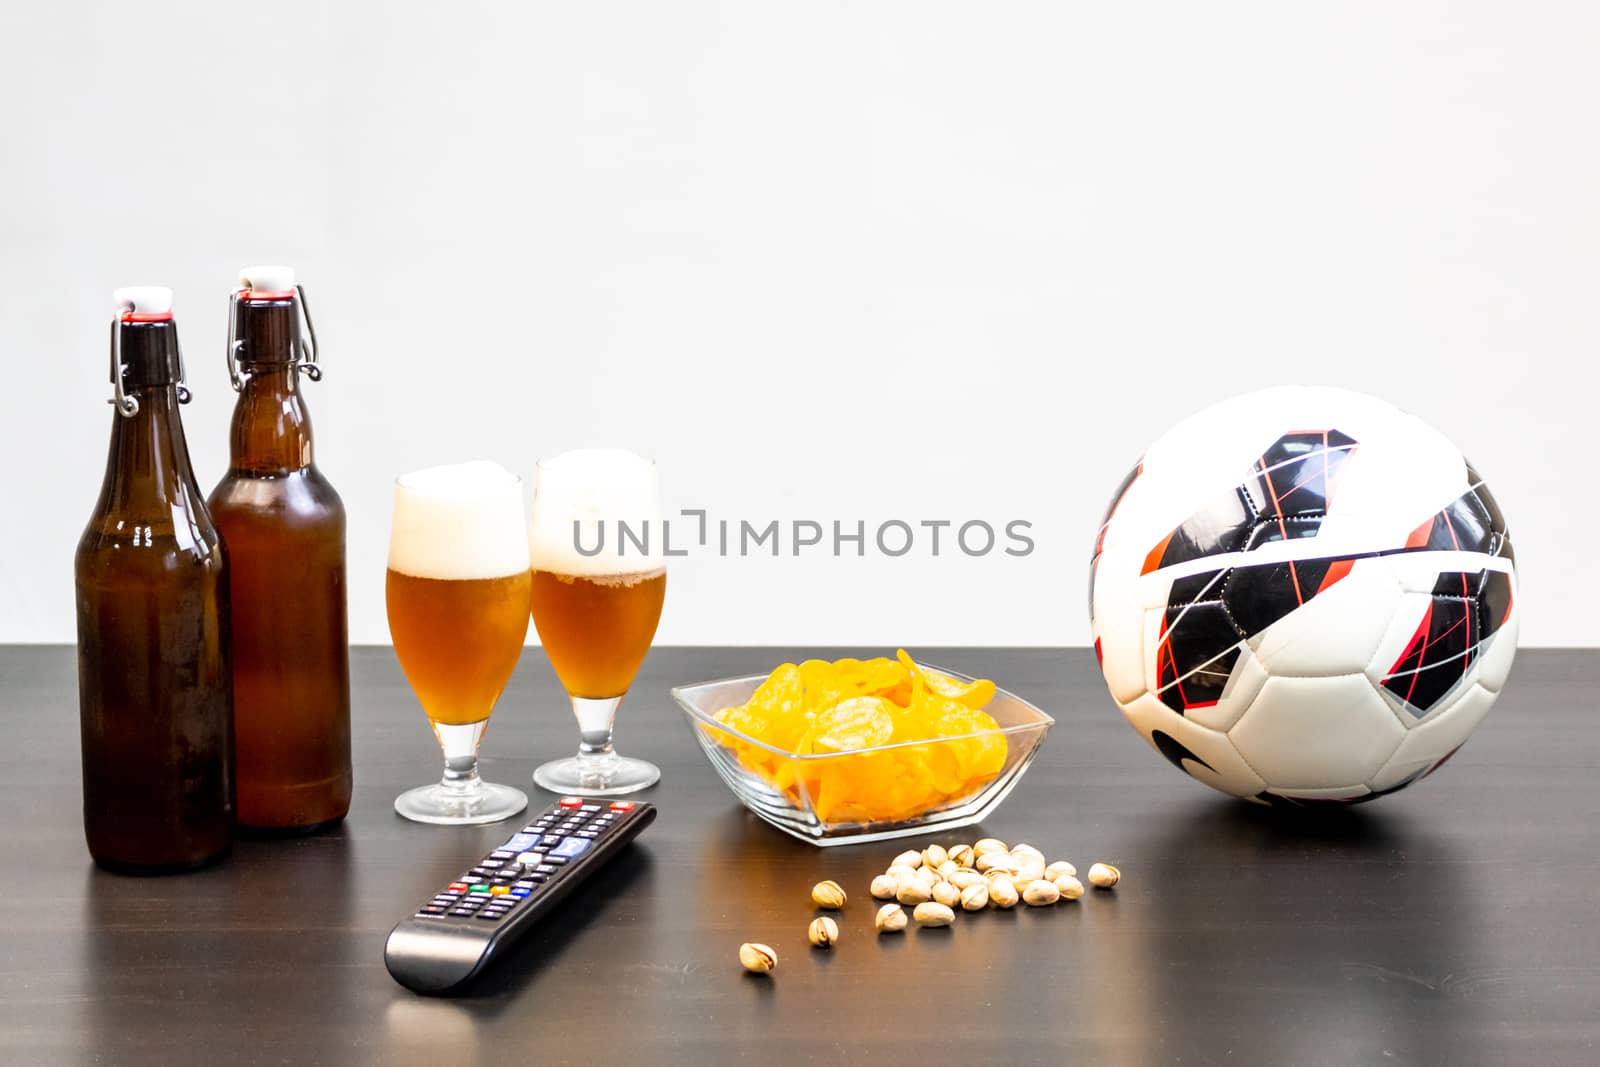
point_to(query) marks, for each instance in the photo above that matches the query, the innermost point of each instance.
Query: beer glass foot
(587, 776)
(444, 806)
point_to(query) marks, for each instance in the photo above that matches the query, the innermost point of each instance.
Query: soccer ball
(1304, 594)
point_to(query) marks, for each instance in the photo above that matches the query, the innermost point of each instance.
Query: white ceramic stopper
(143, 299)
(269, 278)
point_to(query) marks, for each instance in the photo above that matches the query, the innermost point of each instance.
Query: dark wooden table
(1452, 924)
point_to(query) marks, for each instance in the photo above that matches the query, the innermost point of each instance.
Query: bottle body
(291, 665)
(284, 526)
(155, 684)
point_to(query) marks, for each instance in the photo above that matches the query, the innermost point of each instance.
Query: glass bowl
(791, 790)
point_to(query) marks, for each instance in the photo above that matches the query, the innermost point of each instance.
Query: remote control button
(461, 913)
(622, 805)
(590, 807)
(571, 848)
(520, 893)
(444, 901)
(557, 861)
(458, 887)
(498, 890)
(588, 835)
(492, 864)
(520, 843)
(538, 879)
(545, 869)
(501, 854)
(490, 916)
(549, 842)
(571, 802)
(531, 859)
(481, 887)
(432, 910)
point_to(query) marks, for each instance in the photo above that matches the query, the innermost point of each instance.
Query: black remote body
(479, 916)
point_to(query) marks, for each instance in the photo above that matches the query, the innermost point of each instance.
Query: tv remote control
(477, 917)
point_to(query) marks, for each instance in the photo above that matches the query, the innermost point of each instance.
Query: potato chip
(974, 694)
(861, 722)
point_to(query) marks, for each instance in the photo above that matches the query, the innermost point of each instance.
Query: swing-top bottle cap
(143, 303)
(266, 282)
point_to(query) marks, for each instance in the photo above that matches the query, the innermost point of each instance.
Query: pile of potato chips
(820, 708)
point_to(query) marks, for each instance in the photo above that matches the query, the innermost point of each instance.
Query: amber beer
(457, 590)
(155, 696)
(457, 640)
(597, 629)
(284, 525)
(595, 541)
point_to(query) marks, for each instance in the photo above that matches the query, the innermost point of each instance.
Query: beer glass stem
(460, 745)
(595, 719)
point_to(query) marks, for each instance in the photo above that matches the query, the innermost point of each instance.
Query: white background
(823, 260)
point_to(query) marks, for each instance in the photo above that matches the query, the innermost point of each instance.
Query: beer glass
(598, 581)
(457, 593)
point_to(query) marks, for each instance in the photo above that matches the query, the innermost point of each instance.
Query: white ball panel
(1119, 626)
(1152, 641)
(1227, 772)
(1435, 739)
(1338, 631)
(1316, 733)
(1337, 792)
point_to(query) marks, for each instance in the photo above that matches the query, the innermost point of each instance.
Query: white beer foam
(458, 522)
(600, 490)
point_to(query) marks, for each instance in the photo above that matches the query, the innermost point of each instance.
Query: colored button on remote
(572, 848)
(520, 842)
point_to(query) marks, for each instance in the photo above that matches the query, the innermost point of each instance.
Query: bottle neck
(271, 428)
(271, 431)
(148, 467)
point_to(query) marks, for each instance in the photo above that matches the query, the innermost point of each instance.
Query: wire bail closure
(304, 360)
(128, 406)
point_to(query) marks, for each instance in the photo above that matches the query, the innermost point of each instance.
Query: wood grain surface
(1454, 923)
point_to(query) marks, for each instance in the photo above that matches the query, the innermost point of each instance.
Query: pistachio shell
(757, 958)
(1104, 876)
(828, 894)
(1071, 888)
(1040, 892)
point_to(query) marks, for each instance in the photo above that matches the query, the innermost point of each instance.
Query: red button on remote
(571, 802)
(622, 805)
(459, 887)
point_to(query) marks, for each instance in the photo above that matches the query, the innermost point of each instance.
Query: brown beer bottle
(154, 680)
(285, 530)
